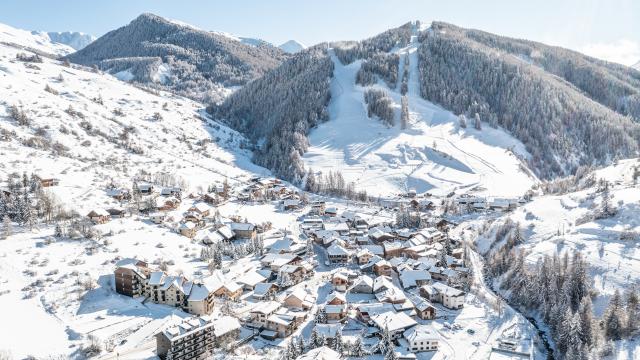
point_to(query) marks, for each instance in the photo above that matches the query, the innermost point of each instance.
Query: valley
(319, 202)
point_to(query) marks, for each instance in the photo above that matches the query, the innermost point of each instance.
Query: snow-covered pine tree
(612, 321)
(477, 123)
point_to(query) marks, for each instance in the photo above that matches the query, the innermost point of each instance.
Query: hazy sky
(608, 29)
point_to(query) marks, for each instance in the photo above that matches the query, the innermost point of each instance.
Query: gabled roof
(336, 295)
(321, 353)
(337, 250)
(420, 333)
(199, 292)
(393, 321)
(266, 307)
(261, 288)
(225, 325)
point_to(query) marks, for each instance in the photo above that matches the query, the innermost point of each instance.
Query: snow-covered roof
(447, 290)
(328, 330)
(225, 325)
(336, 296)
(242, 226)
(156, 278)
(420, 333)
(226, 232)
(409, 277)
(266, 307)
(261, 289)
(251, 278)
(321, 353)
(337, 250)
(393, 321)
(334, 309)
(199, 292)
(186, 327)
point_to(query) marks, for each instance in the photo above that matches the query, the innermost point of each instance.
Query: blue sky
(606, 29)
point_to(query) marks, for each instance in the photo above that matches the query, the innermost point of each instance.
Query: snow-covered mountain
(636, 66)
(37, 41)
(502, 135)
(292, 47)
(170, 55)
(76, 40)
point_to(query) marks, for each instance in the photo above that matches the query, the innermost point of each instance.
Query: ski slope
(433, 155)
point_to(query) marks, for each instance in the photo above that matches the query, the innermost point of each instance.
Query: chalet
(362, 285)
(99, 216)
(342, 228)
(379, 235)
(331, 212)
(119, 194)
(193, 338)
(317, 208)
(421, 338)
(193, 217)
(312, 223)
(363, 256)
(201, 208)
(336, 298)
(171, 191)
(157, 218)
(382, 283)
(282, 325)
(262, 291)
(382, 268)
(276, 261)
(448, 296)
(295, 273)
(335, 312)
(226, 232)
(250, 279)
(167, 203)
(392, 295)
(414, 278)
(115, 213)
(366, 311)
(422, 204)
(49, 182)
(143, 188)
(261, 313)
(244, 230)
(424, 309)
(340, 281)
(211, 198)
(200, 300)
(395, 323)
(298, 299)
(291, 204)
(393, 249)
(338, 254)
(231, 290)
(188, 229)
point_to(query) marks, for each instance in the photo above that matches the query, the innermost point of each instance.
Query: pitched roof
(420, 333)
(393, 321)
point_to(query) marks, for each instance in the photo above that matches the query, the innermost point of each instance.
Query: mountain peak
(292, 47)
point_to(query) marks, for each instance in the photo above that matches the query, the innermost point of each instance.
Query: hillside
(173, 56)
(431, 154)
(552, 99)
(39, 42)
(82, 122)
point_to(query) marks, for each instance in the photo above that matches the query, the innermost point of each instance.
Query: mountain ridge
(199, 64)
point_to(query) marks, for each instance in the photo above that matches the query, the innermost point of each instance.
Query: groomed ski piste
(432, 155)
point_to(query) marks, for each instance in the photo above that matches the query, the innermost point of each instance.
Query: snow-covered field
(433, 155)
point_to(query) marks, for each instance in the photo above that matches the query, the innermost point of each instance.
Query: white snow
(35, 40)
(432, 155)
(292, 47)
